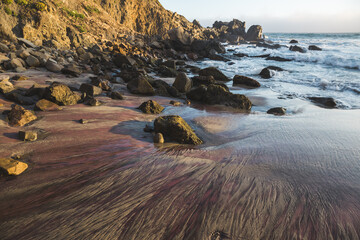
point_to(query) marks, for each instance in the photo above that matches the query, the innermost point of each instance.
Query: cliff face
(70, 23)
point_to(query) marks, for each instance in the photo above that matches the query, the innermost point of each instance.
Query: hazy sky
(275, 15)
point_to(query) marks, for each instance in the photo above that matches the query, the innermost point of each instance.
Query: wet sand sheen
(294, 177)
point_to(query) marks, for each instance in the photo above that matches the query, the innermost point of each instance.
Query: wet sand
(257, 176)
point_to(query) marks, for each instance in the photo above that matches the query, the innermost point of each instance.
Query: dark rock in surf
(277, 111)
(182, 83)
(242, 80)
(266, 73)
(254, 33)
(297, 49)
(216, 73)
(324, 102)
(314, 48)
(278, 59)
(294, 41)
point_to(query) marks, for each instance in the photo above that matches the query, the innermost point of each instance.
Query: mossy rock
(61, 95)
(175, 128)
(151, 107)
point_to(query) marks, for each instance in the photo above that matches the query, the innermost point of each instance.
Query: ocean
(333, 72)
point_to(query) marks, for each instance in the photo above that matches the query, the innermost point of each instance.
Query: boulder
(216, 73)
(28, 136)
(167, 72)
(90, 90)
(46, 105)
(72, 70)
(277, 111)
(52, 66)
(293, 41)
(179, 35)
(26, 42)
(116, 95)
(254, 33)
(325, 102)
(19, 116)
(12, 167)
(4, 48)
(216, 94)
(101, 83)
(93, 102)
(278, 59)
(159, 138)
(297, 49)
(182, 83)
(267, 45)
(14, 63)
(32, 61)
(22, 53)
(18, 97)
(140, 85)
(241, 55)
(120, 60)
(61, 95)
(202, 80)
(170, 64)
(175, 128)
(151, 107)
(314, 48)
(5, 85)
(37, 90)
(242, 80)
(266, 72)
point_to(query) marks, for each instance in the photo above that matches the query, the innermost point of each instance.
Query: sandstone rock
(101, 83)
(19, 78)
(12, 167)
(182, 83)
(90, 90)
(159, 138)
(26, 42)
(116, 95)
(19, 116)
(324, 101)
(242, 80)
(28, 136)
(140, 85)
(72, 70)
(277, 111)
(61, 95)
(175, 128)
(254, 33)
(297, 49)
(151, 107)
(94, 102)
(22, 53)
(15, 63)
(314, 48)
(278, 59)
(52, 66)
(45, 105)
(216, 73)
(32, 61)
(5, 85)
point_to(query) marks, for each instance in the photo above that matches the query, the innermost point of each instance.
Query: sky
(303, 16)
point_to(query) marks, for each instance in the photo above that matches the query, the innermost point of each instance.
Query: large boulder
(254, 33)
(242, 80)
(279, 111)
(12, 167)
(90, 90)
(19, 116)
(32, 61)
(267, 72)
(216, 73)
(202, 80)
(326, 102)
(140, 85)
(216, 94)
(179, 35)
(175, 128)
(18, 97)
(61, 95)
(151, 107)
(72, 70)
(5, 85)
(182, 83)
(46, 105)
(52, 66)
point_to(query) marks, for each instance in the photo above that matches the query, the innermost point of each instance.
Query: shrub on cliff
(40, 6)
(22, 2)
(7, 2)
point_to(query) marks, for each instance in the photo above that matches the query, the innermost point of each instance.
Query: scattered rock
(120, 60)
(84, 121)
(28, 136)
(182, 83)
(267, 45)
(297, 49)
(12, 167)
(159, 138)
(148, 128)
(53, 66)
(93, 102)
(18, 97)
(26, 42)
(242, 80)
(167, 72)
(4, 48)
(179, 35)
(278, 59)
(266, 73)
(151, 107)
(90, 90)
(175, 103)
(116, 95)
(45, 105)
(277, 111)
(216, 73)
(170, 64)
(314, 48)
(101, 83)
(140, 85)
(32, 61)
(325, 102)
(241, 55)
(61, 95)
(202, 80)
(175, 128)
(37, 90)
(19, 116)
(254, 33)
(293, 41)
(72, 70)
(5, 85)
(19, 78)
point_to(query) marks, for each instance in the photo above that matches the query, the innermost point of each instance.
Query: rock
(37, 90)
(140, 85)
(32, 61)
(84, 121)
(297, 49)
(278, 59)
(4, 48)
(5, 85)
(151, 107)
(26, 42)
(216, 94)
(241, 55)
(93, 102)
(179, 35)
(14, 63)
(90, 90)
(175, 128)
(216, 73)
(61, 95)
(170, 64)
(19, 116)
(18, 97)
(182, 83)
(22, 53)
(266, 45)
(28, 136)
(266, 73)
(120, 59)
(19, 78)
(217, 57)
(242, 80)
(71, 70)
(324, 101)
(202, 80)
(167, 72)
(148, 128)
(159, 138)
(254, 33)
(314, 48)
(45, 105)
(52, 66)
(294, 41)
(116, 95)
(175, 103)
(101, 83)
(277, 111)
(12, 167)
